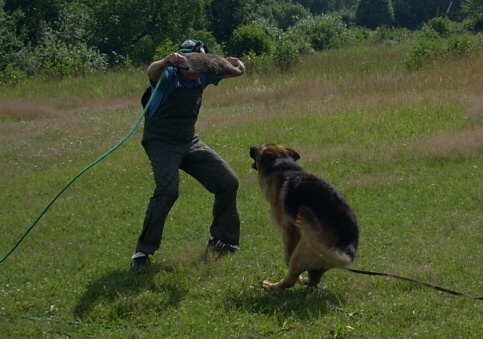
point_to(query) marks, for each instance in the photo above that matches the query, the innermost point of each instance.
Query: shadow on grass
(117, 292)
(300, 302)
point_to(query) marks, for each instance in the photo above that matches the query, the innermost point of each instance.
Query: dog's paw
(269, 285)
(303, 280)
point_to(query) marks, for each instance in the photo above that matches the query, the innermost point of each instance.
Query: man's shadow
(304, 303)
(112, 286)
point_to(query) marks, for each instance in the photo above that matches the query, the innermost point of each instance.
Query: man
(171, 144)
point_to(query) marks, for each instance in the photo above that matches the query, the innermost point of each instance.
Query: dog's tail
(323, 240)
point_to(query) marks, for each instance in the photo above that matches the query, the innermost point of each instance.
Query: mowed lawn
(405, 148)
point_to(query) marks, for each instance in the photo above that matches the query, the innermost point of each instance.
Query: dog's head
(266, 155)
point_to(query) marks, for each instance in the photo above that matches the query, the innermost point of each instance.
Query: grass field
(406, 149)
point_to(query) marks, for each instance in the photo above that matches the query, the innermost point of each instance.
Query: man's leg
(165, 159)
(209, 168)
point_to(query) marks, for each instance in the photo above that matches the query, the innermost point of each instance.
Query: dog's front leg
(291, 238)
(288, 281)
(296, 266)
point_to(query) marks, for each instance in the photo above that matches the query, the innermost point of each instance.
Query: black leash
(438, 288)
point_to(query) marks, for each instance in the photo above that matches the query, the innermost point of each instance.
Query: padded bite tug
(210, 64)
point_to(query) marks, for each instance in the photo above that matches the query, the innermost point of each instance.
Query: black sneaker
(220, 246)
(141, 262)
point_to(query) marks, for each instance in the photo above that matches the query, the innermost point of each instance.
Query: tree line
(70, 37)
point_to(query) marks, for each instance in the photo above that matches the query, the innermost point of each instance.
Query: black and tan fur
(319, 228)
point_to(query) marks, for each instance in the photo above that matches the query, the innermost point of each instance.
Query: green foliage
(389, 35)
(99, 34)
(259, 64)
(227, 15)
(57, 58)
(374, 13)
(282, 14)
(474, 11)
(474, 8)
(441, 25)
(10, 43)
(318, 7)
(249, 39)
(10, 76)
(133, 29)
(285, 55)
(430, 47)
(413, 14)
(169, 46)
(321, 32)
(207, 38)
(61, 48)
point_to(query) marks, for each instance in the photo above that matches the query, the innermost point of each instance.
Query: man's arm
(156, 68)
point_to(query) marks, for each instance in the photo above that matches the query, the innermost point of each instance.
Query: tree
(374, 13)
(413, 14)
(33, 16)
(282, 14)
(134, 28)
(225, 16)
(474, 10)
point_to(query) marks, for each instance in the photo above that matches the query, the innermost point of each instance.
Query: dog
(319, 228)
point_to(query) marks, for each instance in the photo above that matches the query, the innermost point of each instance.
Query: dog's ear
(293, 154)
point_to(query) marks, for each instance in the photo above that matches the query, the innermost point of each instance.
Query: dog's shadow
(302, 302)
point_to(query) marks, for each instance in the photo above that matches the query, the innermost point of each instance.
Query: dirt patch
(455, 144)
(21, 111)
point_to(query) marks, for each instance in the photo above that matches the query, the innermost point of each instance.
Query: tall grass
(406, 149)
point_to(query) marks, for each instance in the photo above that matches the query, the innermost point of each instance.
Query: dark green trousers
(209, 169)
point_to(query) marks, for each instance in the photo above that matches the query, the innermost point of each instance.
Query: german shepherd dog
(319, 228)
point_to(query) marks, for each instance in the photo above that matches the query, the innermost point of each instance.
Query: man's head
(190, 46)
(193, 46)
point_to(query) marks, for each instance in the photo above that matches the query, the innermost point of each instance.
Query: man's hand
(157, 67)
(176, 59)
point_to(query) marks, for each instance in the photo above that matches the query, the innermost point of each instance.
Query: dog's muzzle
(254, 156)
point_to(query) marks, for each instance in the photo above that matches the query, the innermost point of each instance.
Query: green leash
(162, 78)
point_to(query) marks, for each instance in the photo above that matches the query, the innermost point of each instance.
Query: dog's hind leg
(314, 277)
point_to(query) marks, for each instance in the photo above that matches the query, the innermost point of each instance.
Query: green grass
(406, 149)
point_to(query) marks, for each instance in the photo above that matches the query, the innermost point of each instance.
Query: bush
(389, 35)
(11, 76)
(258, 64)
(427, 50)
(462, 44)
(285, 54)
(57, 58)
(165, 49)
(248, 39)
(474, 24)
(322, 32)
(440, 25)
